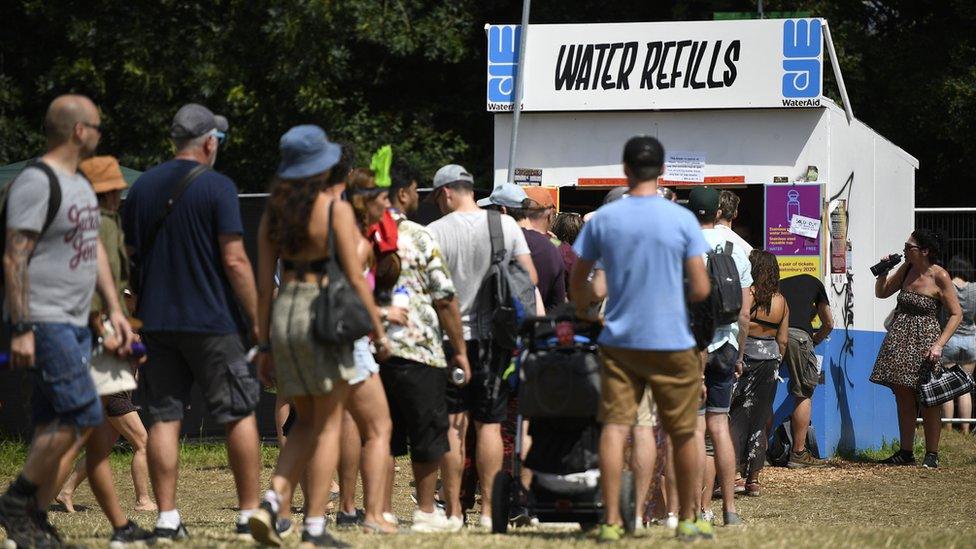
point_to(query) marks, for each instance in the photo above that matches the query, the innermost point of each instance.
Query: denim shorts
(960, 349)
(63, 387)
(720, 379)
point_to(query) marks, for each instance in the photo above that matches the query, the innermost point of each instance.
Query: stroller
(559, 392)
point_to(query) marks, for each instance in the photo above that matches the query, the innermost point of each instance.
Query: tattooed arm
(19, 247)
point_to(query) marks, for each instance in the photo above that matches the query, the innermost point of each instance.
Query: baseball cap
(615, 194)
(644, 150)
(509, 195)
(306, 151)
(703, 201)
(542, 196)
(451, 173)
(104, 173)
(194, 120)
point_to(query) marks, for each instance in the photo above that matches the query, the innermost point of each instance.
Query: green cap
(703, 201)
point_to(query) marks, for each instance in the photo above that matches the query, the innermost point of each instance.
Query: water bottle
(400, 300)
(882, 267)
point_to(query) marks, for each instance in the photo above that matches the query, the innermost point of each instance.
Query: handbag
(938, 385)
(340, 316)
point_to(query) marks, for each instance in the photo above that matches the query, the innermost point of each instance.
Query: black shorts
(418, 409)
(119, 404)
(486, 396)
(215, 361)
(720, 379)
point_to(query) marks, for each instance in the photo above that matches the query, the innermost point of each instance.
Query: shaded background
(412, 73)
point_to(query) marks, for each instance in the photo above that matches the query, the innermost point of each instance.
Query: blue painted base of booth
(849, 412)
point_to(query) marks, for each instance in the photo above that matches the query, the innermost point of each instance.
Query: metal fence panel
(958, 225)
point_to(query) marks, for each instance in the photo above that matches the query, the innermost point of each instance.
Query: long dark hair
(961, 268)
(289, 210)
(765, 279)
(930, 240)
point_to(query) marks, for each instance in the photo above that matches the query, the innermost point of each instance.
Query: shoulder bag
(340, 315)
(938, 385)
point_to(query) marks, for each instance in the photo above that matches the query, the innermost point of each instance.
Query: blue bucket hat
(509, 195)
(306, 151)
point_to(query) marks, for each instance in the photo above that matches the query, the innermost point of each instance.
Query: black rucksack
(781, 444)
(53, 205)
(726, 292)
(507, 294)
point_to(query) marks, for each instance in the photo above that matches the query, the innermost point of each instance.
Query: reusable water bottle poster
(782, 203)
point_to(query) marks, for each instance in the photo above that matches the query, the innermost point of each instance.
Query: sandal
(373, 528)
(752, 488)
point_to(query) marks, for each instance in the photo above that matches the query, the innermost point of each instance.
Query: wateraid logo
(503, 41)
(801, 58)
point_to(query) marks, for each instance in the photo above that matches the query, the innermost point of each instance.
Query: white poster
(684, 167)
(651, 66)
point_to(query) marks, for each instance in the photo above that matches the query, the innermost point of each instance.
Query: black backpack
(507, 294)
(726, 292)
(53, 205)
(781, 444)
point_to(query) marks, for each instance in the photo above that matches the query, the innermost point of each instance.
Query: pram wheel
(628, 503)
(501, 502)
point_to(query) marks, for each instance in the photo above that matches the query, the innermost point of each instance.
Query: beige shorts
(647, 409)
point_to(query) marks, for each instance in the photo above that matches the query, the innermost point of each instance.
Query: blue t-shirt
(642, 243)
(184, 285)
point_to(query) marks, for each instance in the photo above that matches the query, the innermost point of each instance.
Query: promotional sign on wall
(651, 66)
(783, 202)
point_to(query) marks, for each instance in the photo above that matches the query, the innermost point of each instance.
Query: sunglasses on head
(221, 136)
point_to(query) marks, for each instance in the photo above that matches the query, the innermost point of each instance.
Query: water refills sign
(650, 66)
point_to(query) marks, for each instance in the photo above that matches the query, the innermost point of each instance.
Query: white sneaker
(430, 522)
(391, 518)
(707, 516)
(671, 522)
(486, 522)
(456, 523)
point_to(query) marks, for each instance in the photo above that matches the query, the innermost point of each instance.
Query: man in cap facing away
(465, 242)
(197, 297)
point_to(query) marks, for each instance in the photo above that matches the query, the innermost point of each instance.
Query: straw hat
(104, 173)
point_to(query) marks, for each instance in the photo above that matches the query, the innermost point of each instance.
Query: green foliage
(411, 73)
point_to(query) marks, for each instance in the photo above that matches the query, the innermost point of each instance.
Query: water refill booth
(739, 105)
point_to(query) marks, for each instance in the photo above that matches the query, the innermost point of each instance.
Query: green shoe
(610, 533)
(686, 531)
(705, 528)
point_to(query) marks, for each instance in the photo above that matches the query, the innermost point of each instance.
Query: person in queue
(299, 223)
(567, 226)
(915, 339)
(961, 348)
(752, 398)
(641, 344)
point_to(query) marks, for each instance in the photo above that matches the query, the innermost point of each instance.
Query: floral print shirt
(426, 278)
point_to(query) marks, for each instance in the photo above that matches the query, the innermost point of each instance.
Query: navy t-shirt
(184, 285)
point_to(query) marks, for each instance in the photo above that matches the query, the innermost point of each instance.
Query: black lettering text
(651, 63)
(628, 58)
(606, 81)
(675, 71)
(662, 83)
(585, 66)
(731, 56)
(711, 67)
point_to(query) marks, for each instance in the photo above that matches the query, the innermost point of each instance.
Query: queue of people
(377, 333)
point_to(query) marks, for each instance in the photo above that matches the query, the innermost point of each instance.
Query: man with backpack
(647, 246)
(468, 236)
(53, 261)
(731, 273)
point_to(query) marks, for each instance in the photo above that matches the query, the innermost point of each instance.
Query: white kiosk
(737, 104)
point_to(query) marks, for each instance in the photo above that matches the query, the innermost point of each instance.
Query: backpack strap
(728, 248)
(197, 170)
(54, 195)
(497, 236)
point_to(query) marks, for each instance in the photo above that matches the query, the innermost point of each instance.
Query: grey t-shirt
(466, 246)
(967, 301)
(64, 266)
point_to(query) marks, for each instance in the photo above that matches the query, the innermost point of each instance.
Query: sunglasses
(221, 136)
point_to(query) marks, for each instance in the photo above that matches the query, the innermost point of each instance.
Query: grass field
(850, 504)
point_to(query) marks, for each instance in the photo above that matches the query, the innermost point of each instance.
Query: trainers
(130, 535)
(931, 460)
(391, 518)
(732, 519)
(264, 525)
(47, 530)
(15, 519)
(520, 517)
(285, 528)
(708, 516)
(166, 536)
(349, 520)
(705, 528)
(686, 530)
(901, 457)
(804, 459)
(322, 540)
(671, 522)
(456, 523)
(753, 489)
(610, 533)
(430, 522)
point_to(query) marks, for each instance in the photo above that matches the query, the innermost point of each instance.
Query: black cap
(643, 151)
(193, 120)
(703, 201)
